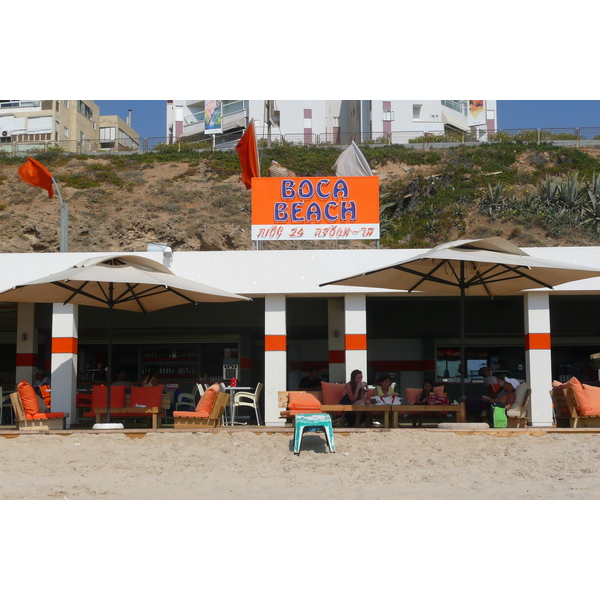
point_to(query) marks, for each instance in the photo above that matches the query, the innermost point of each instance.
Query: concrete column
(538, 356)
(336, 327)
(275, 357)
(64, 359)
(27, 342)
(356, 333)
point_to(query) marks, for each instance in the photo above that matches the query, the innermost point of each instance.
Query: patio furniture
(26, 409)
(299, 403)
(203, 418)
(247, 399)
(5, 402)
(517, 413)
(187, 401)
(312, 422)
(46, 396)
(582, 403)
(99, 393)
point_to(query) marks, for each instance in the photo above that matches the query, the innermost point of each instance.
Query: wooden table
(385, 409)
(131, 411)
(458, 410)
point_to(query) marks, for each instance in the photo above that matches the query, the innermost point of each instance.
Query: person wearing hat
(40, 379)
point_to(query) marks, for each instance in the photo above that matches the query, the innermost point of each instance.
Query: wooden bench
(283, 401)
(133, 412)
(42, 424)
(458, 410)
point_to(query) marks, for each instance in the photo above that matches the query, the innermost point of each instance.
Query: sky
(148, 117)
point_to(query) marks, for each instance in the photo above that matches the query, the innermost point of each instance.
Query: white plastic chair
(247, 399)
(187, 401)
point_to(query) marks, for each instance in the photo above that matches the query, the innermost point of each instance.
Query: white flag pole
(64, 221)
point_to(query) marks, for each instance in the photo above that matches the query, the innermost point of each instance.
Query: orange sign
(311, 208)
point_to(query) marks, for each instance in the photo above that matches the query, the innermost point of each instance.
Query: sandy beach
(381, 465)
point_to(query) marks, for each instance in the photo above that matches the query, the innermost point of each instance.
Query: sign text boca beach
(311, 208)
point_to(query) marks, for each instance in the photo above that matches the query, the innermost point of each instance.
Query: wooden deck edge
(344, 431)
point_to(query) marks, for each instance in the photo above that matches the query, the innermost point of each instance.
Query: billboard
(315, 208)
(213, 117)
(476, 112)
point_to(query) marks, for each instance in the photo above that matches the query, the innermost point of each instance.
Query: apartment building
(62, 121)
(336, 121)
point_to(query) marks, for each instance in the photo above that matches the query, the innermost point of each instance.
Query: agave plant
(592, 212)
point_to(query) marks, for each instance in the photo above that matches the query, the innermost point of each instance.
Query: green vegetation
(507, 187)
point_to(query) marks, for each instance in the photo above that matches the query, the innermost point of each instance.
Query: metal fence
(566, 136)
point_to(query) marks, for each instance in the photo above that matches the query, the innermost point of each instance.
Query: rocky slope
(122, 205)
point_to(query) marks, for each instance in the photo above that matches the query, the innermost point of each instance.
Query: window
(66, 103)
(65, 132)
(388, 115)
(417, 111)
(85, 110)
(457, 105)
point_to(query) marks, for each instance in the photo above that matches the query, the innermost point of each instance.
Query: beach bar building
(293, 325)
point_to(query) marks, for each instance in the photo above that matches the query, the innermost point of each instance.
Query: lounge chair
(582, 403)
(208, 413)
(27, 410)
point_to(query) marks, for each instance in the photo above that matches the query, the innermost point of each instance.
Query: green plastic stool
(313, 422)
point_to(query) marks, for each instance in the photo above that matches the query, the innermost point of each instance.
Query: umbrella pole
(463, 361)
(108, 375)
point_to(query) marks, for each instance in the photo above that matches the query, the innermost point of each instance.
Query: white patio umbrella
(124, 282)
(482, 267)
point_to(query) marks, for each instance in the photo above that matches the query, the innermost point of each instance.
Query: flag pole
(64, 221)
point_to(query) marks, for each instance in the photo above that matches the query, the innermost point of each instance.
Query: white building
(293, 324)
(337, 121)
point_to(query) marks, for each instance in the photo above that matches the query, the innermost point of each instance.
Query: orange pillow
(302, 401)
(28, 397)
(117, 396)
(332, 393)
(46, 396)
(580, 397)
(592, 395)
(412, 394)
(208, 398)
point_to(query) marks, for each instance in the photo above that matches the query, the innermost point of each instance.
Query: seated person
(355, 392)
(506, 395)
(384, 386)
(311, 383)
(426, 393)
(490, 381)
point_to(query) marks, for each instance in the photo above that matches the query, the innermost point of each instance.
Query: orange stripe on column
(66, 345)
(537, 341)
(356, 341)
(26, 359)
(275, 343)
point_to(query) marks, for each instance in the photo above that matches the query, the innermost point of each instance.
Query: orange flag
(36, 174)
(248, 153)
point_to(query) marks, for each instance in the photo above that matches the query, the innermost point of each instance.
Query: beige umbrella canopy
(483, 267)
(124, 282)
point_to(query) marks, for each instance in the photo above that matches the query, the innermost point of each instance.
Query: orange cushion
(332, 393)
(186, 413)
(587, 396)
(303, 401)
(117, 396)
(412, 394)
(46, 396)
(28, 398)
(208, 398)
(145, 396)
